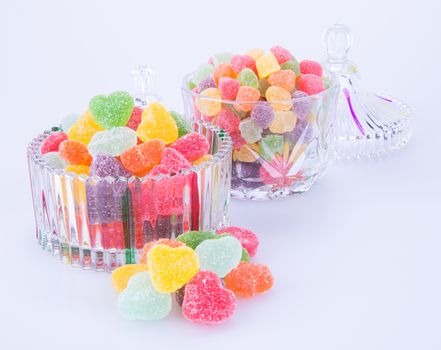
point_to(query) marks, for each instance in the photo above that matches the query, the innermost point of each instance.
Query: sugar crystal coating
(183, 124)
(246, 94)
(240, 62)
(83, 129)
(250, 130)
(165, 241)
(249, 279)
(221, 71)
(207, 103)
(280, 96)
(112, 110)
(284, 121)
(77, 169)
(262, 115)
(143, 157)
(285, 79)
(104, 165)
(271, 146)
(206, 83)
(75, 153)
(247, 77)
(122, 274)
(174, 160)
(311, 67)
(228, 88)
(54, 159)
(221, 58)
(112, 142)
(157, 123)
(203, 159)
(52, 142)
(247, 238)
(227, 120)
(192, 146)
(281, 54)
(301, 107)
(193, 238)
(266, 65)
(310, 83)
(135, 118)
(292, 65)
(246, 153)
(255, 54)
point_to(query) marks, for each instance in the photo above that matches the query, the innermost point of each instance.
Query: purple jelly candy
(301, 107)
(302, 128)
(104, 165)
(263, 115)
(246, 174)
(206, 83)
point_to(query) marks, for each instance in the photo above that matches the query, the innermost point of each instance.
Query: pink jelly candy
(206, 301)
(238, 140)
(310, 83)
(228, 88)
(174, 160)
(52, 142)
(246, 237)
(239, 62)
(159, 170)
(282, 55)
(311, 67)
(227, 120)
(135, 118)
(192, 146)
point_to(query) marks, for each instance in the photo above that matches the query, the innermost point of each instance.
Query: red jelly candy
(228, 88)
(310, 83)
(227, 120)
(74, 152)
(238, 140)
(159, 169)
(52, 142)
(282, 55)
(249, 279)
(192, 146)
(247, 238)
(206, 301)
(311, 67)
(135, 118)
(174, 160)
(239, 62)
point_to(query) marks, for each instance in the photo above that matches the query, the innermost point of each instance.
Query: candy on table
(54, 159)
(284, 121)
(122, 275)
(179, 296)
(250, 130)
(246, 94)
(203, 159)
(203, 72)
(221, 58)
(174, 160)
(141, 301)
(301, 107)
(247, 77)
(157, 123)
(240, 62)
(165, 241)
(270, 145)
(135, 118)
(280, 96)
(219, 255)
(78, 169)
(143, 157)
(192, 146)
(262, 115)
(227, 120)
(206, 301)
(68, 121)
(206, 105)
(292, 65)
(281, 54)
(193, 238)
(52, 142)
(83, 129)
(266, 65)
(310, 83)
(285, 79)
(112, 142)
(223, 71)
(104, 165)
(112, 110)
(171, 268)
(247, 238)
(249, 279)
(206, 84)
(255, 54)
(228, 88)
(75, 153)
(183, 124)
(247, 153)
(311, 67)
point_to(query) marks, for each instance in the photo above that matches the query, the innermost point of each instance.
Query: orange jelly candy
(249, 279)
(143, 157)
(74, 152)
(245, 94)
(223, 70)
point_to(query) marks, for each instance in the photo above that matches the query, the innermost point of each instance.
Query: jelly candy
(284, 121)
(302, 133)
(112, 142)
(206, 84)
(255, 54)
(246, 237)
(246, 174)
(203, 159)
(143, 157)
(135, 118)
(202, 73)
(122, 274)
(237, 139)
(78, 169)
(54, 159)
(228, 88)
(281, 54)
(74, 152)
(285, 79)
(174, 160)
(246, 94)
(171, 268)
(263, 86)
(245, 255)
(165, 241)
(219, 255)
(68, 121)
(278, 94)
(262, 115)
(207, 106)
(247, 77)
(250, 130)
(52, 142)
(183, 124)
(140, 301)
(157, 123)
(240, 62)
(266, 65)
(103, 165)
(271, 145)
(310, 83)
(112, 110)
(227, 120)
(179, 295)
(221, 58)
(301, 107)
(83, 129)
(311, 67)
(159, 169)
(292, 65)
(206, 301)
(192, 146)
(246, 153)
(221, 71)
(193, 238)
(249, 279)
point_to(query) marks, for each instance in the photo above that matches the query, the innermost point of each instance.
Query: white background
(356, 260)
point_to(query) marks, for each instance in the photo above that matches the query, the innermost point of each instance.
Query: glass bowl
(281, 163)
(102, 223)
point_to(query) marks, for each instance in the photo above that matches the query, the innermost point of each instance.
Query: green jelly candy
(112, 110)
(221, 58)
(326, 82)
(248, 78)
(245, 255)
(193, 238)
(270, 145)
(183, 124)
(141, 301)
(292, 65)
(202, 73)
(191, 85)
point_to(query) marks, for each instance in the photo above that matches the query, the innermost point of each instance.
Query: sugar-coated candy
(203, 159)
(112, 142)
(266, 65)
(78, 169)
(311, 67)
(247, 77)
(135, 118)
(310, 83)
(122, 275)
(192, 146)
(68, 121)
(143, 157)
(52, 142)
(284, 121)
(221, 58)
(247, 238)
(183, 124)
(206, 83)
(228, 88)
(262, 115)
(246, 94)
(74, 152)
(223, 70)
(193, 238)
(246, 153)
(165, 241)
(174, 160)
(263, 86)
(112, 110)
(171, 268)
(281, 54)
(240, 62)
(219, 255)
(302, 133)
(249, 279)
(104, 165)
(206, 105)
(157, 123)
(302, 106)
(159, 170)
(206, 301)
(281, 97)
(54, 160)
(237, 139)
(203, 72)
(255, 54)
(270, 145)
(141, 301)
(250, 130)
(246, 174)
(227, 120)
(292, 65)
(83, 129)
(285, 79)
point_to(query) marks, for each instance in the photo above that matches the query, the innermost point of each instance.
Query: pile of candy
(192, 267)
(115, 138)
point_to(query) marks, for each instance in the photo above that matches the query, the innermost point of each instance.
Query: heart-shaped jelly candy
(249, 279)
(113, 142)
(219, 255)
(122, 275)
(157, 123)
(112, 110)
(145, 250)
(171, 267)
(247, 238)
(141, 301)
(206, 301)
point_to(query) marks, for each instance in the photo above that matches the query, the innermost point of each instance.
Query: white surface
(356, 260)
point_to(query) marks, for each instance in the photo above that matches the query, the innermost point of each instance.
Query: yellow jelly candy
(157, 123)
(203, 159)
(255, 54)
(78, 169)
(122, 274)
(266, 65)
(171, 268)
(283, 121)
(83, 129)
(246, 153)
(208, 107)
(276, 93)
